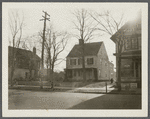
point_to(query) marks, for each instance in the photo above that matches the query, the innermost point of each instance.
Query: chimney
(34, 50)
(80, 41)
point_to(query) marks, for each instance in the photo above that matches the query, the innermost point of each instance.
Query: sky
(61, 17)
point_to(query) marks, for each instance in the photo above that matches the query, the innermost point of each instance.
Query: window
(90, 61)
(134, 43)
(79, 61)
(79, 73)
(127, 68)
(128, 44)
(72, 61)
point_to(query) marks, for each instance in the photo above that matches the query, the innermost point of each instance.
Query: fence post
(106, 86)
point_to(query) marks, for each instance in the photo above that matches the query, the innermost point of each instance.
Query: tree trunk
(52, 83)
(47, 72)
(41, 76)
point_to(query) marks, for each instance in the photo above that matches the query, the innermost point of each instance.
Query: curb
(73, 91)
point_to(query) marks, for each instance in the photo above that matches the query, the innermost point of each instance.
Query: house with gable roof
(26, 63)
(130, 54)
(96, 62)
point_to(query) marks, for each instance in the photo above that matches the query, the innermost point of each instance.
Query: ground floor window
(74, 73)
(79, 73)
(127, 69)
(130, 68)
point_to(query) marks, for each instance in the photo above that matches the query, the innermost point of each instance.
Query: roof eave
(113, 38)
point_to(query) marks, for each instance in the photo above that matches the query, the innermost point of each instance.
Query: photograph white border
(74, 113)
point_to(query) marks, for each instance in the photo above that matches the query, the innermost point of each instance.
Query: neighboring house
(26, 63)
(130, 34)
(96, 62)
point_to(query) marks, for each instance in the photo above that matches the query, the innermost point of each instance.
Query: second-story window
(79, 61)
(134, 43)
(72, 61)
(128, 44)
(90, 61)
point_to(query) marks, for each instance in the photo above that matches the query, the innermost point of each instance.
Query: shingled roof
(25, 53)
(91, 49)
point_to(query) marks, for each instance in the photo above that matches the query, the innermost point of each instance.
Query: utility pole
(44, 29)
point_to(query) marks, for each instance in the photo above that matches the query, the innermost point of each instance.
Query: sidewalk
(101, 90)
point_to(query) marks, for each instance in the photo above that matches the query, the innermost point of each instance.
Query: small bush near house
(59, 76)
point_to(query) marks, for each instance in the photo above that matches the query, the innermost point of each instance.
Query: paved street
(19, 99)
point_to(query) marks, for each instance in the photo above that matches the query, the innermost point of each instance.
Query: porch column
(92, 74)
(66, 75)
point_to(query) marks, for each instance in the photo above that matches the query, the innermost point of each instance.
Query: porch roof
(80, 68)
(130, 53)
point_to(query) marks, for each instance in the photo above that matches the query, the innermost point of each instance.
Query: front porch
(77, 74)
(130, 70)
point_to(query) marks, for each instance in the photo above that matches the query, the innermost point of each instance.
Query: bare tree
(85, 27)
(55, 44)
(110, 25)
(107, 23)
(16, 24)
(29, 43)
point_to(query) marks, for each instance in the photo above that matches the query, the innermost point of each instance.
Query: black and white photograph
(75, 59)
